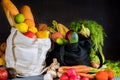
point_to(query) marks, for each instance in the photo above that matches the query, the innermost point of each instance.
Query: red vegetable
(71, 72)
(3, 74)
(64, 77)
(110, 74)
(102, 75)
(85, 78)
(77, 77)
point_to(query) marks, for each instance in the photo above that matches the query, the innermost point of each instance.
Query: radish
(84, 78)
(71, 72)
(64, 77)
(77, 77)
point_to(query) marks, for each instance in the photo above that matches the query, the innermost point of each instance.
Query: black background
(105, 12)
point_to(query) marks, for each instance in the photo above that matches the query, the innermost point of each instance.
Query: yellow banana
(62, 29)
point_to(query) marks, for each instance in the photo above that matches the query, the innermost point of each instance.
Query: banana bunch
(58, 33)
(58, 27)
(62, 29)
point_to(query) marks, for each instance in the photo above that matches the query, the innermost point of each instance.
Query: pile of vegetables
(115, 66)
(105, 75)
(96, 31)
(87, 29)
(81, 72)
(97, 35)
(71, 74)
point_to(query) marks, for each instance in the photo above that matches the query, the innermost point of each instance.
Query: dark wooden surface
(105, 12)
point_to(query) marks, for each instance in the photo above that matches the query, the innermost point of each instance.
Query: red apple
(68, 34)
(30, 34)
(3, 74)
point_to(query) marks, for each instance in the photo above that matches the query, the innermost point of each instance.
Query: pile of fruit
(61, 35)
(27, 27)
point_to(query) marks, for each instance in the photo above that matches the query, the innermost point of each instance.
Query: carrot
(90, 76)
(84, 70)
(78, 68)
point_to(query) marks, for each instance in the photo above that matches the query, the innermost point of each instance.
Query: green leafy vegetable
(94, 57)
(114, 66)
(97, 33)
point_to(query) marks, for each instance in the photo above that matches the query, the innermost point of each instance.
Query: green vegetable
(75, 26)
(94, 57)
(97, 34)
(114, 66)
